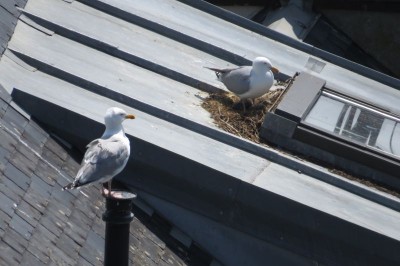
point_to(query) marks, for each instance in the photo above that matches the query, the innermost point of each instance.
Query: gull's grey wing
(220, 71)
(237, 80)
(103, 158)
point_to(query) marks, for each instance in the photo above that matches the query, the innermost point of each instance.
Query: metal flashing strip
(10, 54)
(26, 19)
(312, 50)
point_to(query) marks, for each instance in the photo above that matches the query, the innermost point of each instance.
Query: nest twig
(245, 124)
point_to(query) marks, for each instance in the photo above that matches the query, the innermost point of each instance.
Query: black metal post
(117, 216)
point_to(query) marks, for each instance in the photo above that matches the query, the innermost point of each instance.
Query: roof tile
(140, 258)
(58, 151)
(58, 209)
(7, 141)
(40, 186)
(18, 177)
(21, 226)
(71, 167)
(15, 240)
(4, 221)
(39, 202)
(28, 213)
(52, 224)
(82, 262)
(4, 95)
(7, 205)
(152, 251)
(98, 226)
(52, 157)
(14, 121)
(29, 259)
(11, 189)
(64, 198)
(38, 248)
(4, 155)
(68, 245)
(3, 107)
(64, 178)
(38, 245)
(59, 257)
(34, 134)
(92, 250)
(87, 208)
(20, 160)
(8, 256)
(47, 173)
(78, 227)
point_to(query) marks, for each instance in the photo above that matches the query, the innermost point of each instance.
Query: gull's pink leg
(109, 188)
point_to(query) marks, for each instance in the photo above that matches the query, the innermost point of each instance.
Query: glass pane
(325, 113)
(355, 122)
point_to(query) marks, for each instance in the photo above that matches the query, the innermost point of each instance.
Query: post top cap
(119, 194)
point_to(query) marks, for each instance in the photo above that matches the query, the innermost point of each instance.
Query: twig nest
(245, 124)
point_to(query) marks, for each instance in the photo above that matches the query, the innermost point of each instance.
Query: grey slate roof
(8, 20)
(75, 59)
(42, 225)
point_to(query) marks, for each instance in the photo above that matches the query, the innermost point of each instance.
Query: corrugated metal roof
(77, 58)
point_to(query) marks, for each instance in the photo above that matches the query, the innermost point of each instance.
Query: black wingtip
(69, 186)
(217, 71)
(213, 69)
(66, 187)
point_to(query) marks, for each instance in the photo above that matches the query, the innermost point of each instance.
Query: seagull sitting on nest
(107, 156)
(248, 82)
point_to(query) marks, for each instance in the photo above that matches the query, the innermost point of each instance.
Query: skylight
(329, 126)
(356, 122)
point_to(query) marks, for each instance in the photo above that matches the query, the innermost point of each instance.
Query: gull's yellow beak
(274, 70)
(130, 117)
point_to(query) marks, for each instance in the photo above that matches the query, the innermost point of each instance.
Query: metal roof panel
(343, 204)
(149, 128)
(77, 59)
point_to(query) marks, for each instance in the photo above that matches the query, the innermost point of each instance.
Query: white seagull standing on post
(107, 156)
(248, 82)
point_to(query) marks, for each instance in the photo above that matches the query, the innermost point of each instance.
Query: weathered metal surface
(147, 57)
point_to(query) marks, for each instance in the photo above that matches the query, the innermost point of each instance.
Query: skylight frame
(285, 125)
(352, 103)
